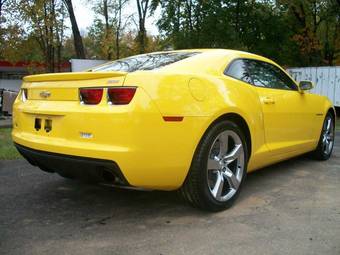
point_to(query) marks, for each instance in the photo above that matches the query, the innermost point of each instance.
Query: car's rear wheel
(218, 169)
(326, 141)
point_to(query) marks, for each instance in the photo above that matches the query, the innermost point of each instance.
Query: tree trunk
(142, 6)
(78, 41)
(51, 28)
(107, 30)
(141, 36)
(47, 52)
(60, 38)
(119, 24)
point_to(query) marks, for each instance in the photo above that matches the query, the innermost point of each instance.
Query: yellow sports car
(192, 120)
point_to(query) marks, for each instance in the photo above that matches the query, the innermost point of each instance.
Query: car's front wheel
(218, 169)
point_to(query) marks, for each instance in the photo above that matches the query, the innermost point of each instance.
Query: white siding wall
(79, 65)
(326, 79)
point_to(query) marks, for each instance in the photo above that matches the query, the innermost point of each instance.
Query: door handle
(268, 100)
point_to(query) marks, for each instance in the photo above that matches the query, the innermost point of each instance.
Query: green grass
(7, 149)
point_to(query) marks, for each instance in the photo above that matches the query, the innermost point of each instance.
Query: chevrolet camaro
(195, 121)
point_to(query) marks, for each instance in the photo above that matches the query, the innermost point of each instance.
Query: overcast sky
(85, 15)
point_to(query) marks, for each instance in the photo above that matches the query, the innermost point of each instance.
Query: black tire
(320, 153)
(196, 189)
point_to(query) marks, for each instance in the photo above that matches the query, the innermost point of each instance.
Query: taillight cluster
(91, 96)
(121, 96)
(115, 95)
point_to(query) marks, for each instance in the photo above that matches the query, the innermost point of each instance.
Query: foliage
(47, 19)
(292, 32)
(285, 31)
(34, 32)
(108, 26)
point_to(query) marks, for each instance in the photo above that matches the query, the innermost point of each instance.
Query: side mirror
(305, 85)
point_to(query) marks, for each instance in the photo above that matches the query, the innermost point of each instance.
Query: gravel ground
(289, 208)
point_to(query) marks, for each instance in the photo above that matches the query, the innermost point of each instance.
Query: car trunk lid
(65, 86)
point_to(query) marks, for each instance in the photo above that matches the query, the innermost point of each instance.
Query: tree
(60, 37)
(108, 26)
(121, 4)
(16, 44)
(292, 32)
(78, 41)
(142, 7)
(46, 19)
(95, 41)
(41, 15)
(329, 32)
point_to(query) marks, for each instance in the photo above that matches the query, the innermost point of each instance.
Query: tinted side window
(238, 70)
(269, 76)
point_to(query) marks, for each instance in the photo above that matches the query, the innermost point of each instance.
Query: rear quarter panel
(203, 99)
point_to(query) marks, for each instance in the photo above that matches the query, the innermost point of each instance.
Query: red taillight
(121, 95)
(91, 96)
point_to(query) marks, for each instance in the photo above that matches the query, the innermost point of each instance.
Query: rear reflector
(91, 96)
(173, 118)
(121, 95)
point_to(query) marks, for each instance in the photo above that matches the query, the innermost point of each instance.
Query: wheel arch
(332, 111)
(188, 184)
(241, 122)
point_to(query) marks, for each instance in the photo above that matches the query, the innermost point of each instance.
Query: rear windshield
(144, 62)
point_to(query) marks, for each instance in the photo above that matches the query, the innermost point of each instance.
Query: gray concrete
(289, 208)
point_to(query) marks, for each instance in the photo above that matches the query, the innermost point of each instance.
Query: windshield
(144, 62)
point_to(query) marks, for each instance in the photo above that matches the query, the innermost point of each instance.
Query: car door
(288, 115)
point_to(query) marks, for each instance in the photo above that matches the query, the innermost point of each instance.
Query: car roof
(213, 51)
(210, 61)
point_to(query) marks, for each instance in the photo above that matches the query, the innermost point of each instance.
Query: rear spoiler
(72, 76)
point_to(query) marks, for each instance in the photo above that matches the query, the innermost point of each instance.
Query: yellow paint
(153, 153)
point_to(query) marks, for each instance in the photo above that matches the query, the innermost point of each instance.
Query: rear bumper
(151, 153)
(88, 169)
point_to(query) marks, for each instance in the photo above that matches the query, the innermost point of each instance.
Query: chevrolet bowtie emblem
(45, 94)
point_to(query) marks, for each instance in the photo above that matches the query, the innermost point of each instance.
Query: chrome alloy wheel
(328, 136)
(225, 166)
